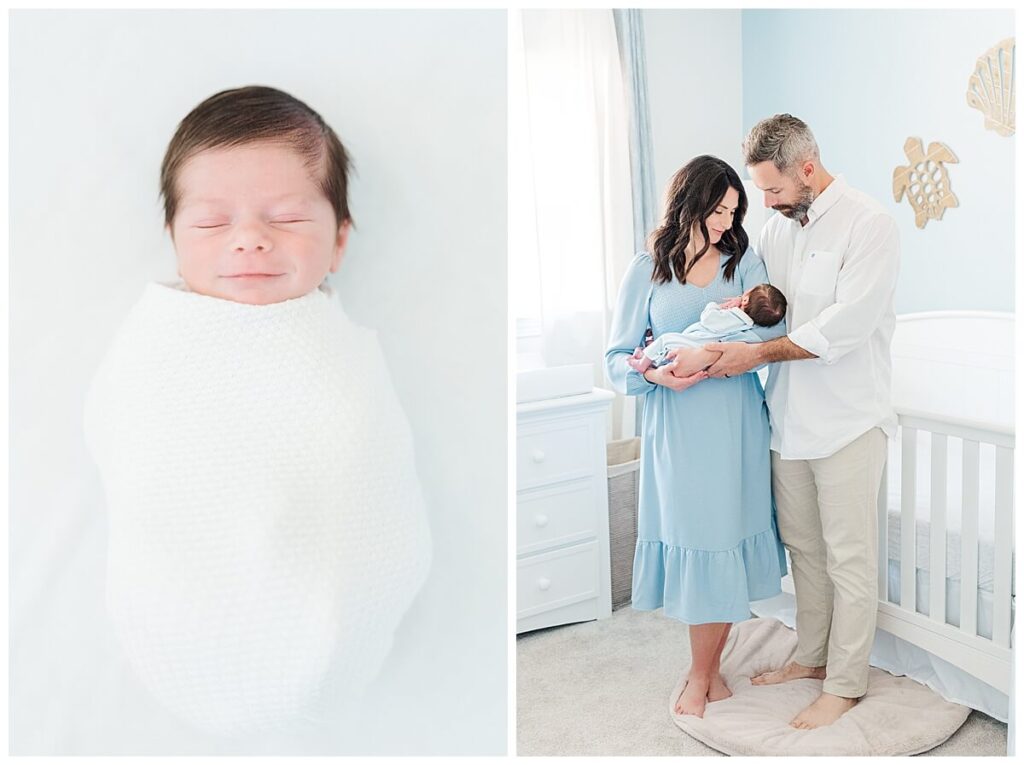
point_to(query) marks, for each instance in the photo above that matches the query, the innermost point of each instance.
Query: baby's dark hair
(258, 113)
(766, 306)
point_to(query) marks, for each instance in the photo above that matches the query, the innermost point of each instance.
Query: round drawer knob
(538, 455)
(544, 583)
(541, 520)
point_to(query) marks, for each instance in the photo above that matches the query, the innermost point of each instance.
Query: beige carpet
(600, 688)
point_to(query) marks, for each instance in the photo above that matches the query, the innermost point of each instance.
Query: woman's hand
(661, 376)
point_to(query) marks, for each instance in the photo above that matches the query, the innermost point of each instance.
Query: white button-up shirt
(838, 273)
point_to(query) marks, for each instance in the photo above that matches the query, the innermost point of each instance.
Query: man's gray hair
(783, 140)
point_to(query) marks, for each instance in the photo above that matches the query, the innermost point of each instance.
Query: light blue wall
(694, 92)
(867, 80)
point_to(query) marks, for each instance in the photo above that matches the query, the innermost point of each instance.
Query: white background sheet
(419, 100)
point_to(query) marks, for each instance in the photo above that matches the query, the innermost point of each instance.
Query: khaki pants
(827, 516)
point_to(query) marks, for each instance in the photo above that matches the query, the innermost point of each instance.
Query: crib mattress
(986, 567)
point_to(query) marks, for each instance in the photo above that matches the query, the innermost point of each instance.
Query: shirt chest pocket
(820, 271)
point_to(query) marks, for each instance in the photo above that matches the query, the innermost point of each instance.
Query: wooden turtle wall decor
(925, 180)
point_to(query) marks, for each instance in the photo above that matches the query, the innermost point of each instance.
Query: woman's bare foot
(718, 690)
(791, 671)
(825, 710)
(694, 697)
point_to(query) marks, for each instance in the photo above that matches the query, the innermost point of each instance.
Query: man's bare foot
(825, 710)
(694, 697)
(718, 690)
(791, 671)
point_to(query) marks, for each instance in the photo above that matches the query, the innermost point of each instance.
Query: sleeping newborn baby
(732, 321)
(267, 530)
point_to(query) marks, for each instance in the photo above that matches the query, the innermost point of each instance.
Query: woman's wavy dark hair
(693, 194)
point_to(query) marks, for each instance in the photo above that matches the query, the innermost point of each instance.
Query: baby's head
(765, 304)
(255, 192)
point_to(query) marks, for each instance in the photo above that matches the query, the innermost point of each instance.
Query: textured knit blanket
(266, 526)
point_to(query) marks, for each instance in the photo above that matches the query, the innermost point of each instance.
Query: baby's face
(252, 225)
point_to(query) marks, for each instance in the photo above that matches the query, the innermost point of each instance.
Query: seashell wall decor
(925, 180)
(991, 88)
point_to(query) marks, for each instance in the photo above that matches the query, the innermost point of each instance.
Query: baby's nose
(244, 247)
(251, 238)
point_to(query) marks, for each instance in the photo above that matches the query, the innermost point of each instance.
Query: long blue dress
(707, 542)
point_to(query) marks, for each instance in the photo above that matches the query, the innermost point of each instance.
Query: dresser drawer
(554, 579)
(560, 450)
(557, 515)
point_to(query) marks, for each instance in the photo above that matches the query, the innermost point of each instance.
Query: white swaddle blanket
(266, 525)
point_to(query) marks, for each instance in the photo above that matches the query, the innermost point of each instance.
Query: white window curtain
(570, 206)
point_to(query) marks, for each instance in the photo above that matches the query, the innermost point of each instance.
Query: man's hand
(736, 358)
(684, 362)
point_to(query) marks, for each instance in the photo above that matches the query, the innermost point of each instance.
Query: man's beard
(804, 200)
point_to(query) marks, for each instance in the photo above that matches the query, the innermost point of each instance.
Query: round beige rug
(898, 716)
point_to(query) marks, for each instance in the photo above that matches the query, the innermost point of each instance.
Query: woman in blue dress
(707, 543)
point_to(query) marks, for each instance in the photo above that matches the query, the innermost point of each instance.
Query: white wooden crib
(946, 505)
(945, 510)
(949, 590)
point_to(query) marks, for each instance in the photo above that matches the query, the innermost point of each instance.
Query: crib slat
(937, 524)
(883, 532)
(1003, 547)
(969, 540)
(908, 530)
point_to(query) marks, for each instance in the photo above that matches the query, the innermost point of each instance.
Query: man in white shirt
(834, 253)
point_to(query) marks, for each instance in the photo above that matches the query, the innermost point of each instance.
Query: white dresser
(562, 551)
